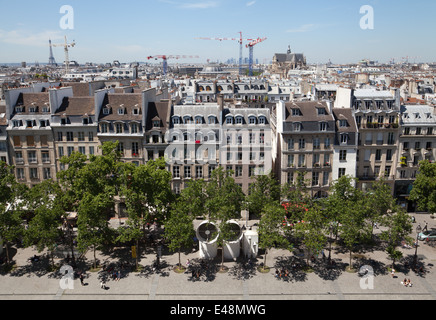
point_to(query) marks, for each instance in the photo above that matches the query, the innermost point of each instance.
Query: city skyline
(322, 31)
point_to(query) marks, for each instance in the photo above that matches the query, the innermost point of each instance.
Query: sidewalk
(27, 282)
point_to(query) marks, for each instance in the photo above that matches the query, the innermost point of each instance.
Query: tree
(347, 204)
(146, 190)
(179, 229)
(264, 190)
(399, 227)
(270, 230)
(424, 187)
(44, 228)
(11, 207)
(224, 199)
(379, 202)
(313, 230)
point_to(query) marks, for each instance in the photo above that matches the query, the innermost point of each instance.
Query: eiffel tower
(51, 60)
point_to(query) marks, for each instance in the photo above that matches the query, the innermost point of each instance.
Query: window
(176, 120)
(119, 127)
(187, 172)
(327, 143)
(296, 112)
(341, 172)
(81, 136)
(45, 157)
(212, 120)
(418, 131)
(46, 173)
(199, 172)
(302, 144)
(343, 123)
(106, 111)
(239, 120)
(20, 174)
(387, 171)
(251, 171)
(321, 111)
(33, 173)
(31, 155)
(323, 126)
(262, 138)
(121, 111)
(156, 124)
(90, 136)
(325, 178)
(252, 138)
(344, 138)
(290, 144)
(378, 155)
(91, 151)
(70, 136)
(262, 120)
(135, 149)
(407, 131)
(315, 178)
(417, 145)
(316, 144)
(343, 155)
(19, 158)
(70, 150)
(301, 160)
(61, 152)
(297, 127)
(252, 120)
(389, 155)
(176, 172)
(229, 120)
(134, 128)
(238, 171)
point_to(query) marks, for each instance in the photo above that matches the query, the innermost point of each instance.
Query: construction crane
(250, 46)
(165, 60)
(66, 45)
(241, 43)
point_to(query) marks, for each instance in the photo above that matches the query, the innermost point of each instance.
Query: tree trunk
(7, 252)
(264, 259)
(137, 254)
(95, 259)
(351, 253)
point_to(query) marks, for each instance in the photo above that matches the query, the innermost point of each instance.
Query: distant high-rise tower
(51, 60)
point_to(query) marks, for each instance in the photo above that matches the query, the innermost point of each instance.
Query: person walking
(81, 279)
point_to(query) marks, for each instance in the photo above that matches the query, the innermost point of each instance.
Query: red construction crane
(166, 57)
(240, 41)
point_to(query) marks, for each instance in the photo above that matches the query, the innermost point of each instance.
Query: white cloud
(249, 4)
(303, 28)
(27, 38)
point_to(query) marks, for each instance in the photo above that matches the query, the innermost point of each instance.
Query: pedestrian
(102, 285)
(393, 273)
(81, 279)
(425, 227)
(188, 263)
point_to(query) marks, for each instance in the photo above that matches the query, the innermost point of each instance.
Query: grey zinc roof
(418, 114)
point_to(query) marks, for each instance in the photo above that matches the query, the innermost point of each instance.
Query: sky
(130, 31)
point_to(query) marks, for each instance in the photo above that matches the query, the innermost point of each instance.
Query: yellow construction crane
(66, 45)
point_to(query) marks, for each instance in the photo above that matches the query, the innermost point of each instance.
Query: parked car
(427, 236)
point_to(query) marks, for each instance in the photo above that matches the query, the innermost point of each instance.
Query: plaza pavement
(25, 283)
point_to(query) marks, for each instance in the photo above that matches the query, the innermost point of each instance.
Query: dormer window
(46, 109)
(297, 127)
(119, 127)
(19, 109)
(239, 120)
(296, 112)
(121, 111)
(229, 120)
(323, 126)
(198, 120)
(262, 120)
(187, 119)
(212, 120)
(106, 111)
(344, 123)
(321, 111)
(176, 120)
(135, 111)
(156, 123)
(252, 120)
(32, 109)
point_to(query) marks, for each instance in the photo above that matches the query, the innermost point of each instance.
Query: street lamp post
(418, 231)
